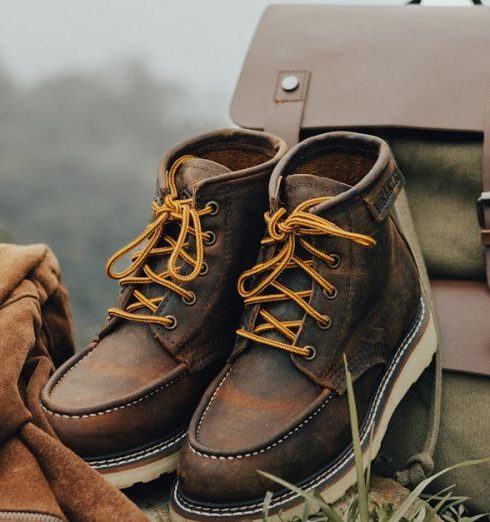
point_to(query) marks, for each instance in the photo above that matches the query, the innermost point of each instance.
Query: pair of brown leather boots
(257, 372)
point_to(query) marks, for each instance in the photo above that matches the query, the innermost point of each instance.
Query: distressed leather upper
(283, 413)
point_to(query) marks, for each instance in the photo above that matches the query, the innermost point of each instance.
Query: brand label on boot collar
(382, 197)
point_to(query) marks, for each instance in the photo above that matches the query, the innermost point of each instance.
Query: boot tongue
(189, 173)
(195, 170)
(298, 188)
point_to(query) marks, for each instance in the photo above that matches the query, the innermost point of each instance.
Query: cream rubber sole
(336, 480)
(127, 478)
(143, 465)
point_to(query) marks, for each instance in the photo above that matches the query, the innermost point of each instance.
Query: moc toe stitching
(253, 452)
(62, 377)
(201, 420)
(115, 408)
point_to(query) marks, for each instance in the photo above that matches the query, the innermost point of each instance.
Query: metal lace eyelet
(211, 238)
(173, 322)
(336, 261)
(312, 353)
(325, 324)
(214, 207)
(204, 269)
(332, 294)
(189, 301)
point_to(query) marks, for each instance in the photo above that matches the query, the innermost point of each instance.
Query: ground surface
(152, 498)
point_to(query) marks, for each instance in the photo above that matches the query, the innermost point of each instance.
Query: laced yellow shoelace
(172, 209)
(289, 230)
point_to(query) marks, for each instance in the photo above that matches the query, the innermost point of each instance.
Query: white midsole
(125, 478)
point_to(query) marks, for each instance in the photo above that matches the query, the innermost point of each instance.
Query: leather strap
(286, 108)
(483, 204)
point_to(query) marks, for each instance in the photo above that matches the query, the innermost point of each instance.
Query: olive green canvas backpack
(420, 78)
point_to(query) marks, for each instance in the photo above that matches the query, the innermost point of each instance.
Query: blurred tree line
(78, 159)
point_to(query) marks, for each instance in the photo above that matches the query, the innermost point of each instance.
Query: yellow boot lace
(288, 230)
(176, 210)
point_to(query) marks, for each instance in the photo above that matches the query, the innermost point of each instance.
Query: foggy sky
(199, 42)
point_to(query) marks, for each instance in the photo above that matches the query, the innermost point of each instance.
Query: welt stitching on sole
(138, 455)
(110, 410)
(288, 496)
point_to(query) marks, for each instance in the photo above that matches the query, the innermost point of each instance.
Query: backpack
(419, 77)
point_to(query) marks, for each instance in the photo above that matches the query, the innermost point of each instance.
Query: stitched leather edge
(71, 368)
(270, 446)
(136, 456)
(113, 409)
(201, 420)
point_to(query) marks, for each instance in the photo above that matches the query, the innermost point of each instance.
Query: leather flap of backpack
(411, 66)
(463, 312)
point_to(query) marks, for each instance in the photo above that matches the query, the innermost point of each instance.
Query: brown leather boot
(335, 276)
(125, 401)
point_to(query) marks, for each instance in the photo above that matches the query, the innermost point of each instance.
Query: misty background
(91, 95)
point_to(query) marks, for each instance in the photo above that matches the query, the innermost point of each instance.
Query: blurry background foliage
(78, 160)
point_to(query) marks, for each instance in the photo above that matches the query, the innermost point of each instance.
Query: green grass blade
(306, 511)
(476, 517)
(314, 499)
(451, 501)
(351, 513)
(412, 497)
(356, 443)
(442, 502)
(265, 506)
(430, 513)
(439, 495)
(368, 470)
